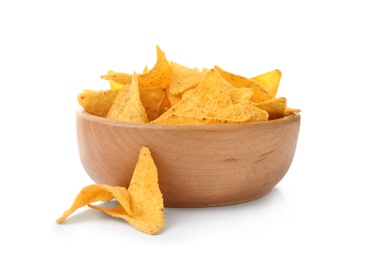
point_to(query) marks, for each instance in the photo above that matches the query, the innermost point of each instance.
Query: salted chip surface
(260, 93)
(98, 193)
(170, 93)
(152, 99)
(209, 96)
(141, 204)
(128, 106)
(158, 75)
(270, 81)
(213, 101)
(97, 103)
(276, 107)
(183, 78)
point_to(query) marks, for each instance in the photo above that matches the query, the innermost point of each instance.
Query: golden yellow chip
(158, 76)
(113, 84)
(97, 102)
(176, 92)
(179, 119)
(240, 112)
(270, 81)
(233, 114)
(276, 107)
(146, 197)
(128, 106)
(258, 115)
(241, 95)
(120, 78)
(183, 78)
(146, 69)
(98, 193)
(141, 204)
(152, 98)
(260, 93)
(166, 104)
(174, 99)
(211, 103)
(208, 97)
(187, 93)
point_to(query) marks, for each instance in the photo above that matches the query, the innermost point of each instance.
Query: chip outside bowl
(198, 166)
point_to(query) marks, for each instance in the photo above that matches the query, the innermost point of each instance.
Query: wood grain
(198, 166)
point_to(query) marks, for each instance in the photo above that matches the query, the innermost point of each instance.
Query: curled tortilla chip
(97, 102)
(141, 204)
(260, 93)
(158, 76)
(270, 81)
(98, 193)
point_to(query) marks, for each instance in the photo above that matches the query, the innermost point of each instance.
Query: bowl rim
(80, 112)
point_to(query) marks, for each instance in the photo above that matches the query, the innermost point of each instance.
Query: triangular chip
(98, 193)
(241, 95)
(158, 76)
(258, 115)
(178, 119)
(270, 81)
(128, 106)
(209, 96)
(260, 93)
(152, 98)
(99, 102)
(114, 85)
(141, 204)
(276, 108)
(119, 78)
(183, 78)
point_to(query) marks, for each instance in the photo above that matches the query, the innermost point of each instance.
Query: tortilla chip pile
(141, 204)
(171, 93)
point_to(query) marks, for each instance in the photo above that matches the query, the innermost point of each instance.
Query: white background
(52, 50)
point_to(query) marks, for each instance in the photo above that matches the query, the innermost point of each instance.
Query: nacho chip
(119, 78)
(152, 98)
(128, 106)
(174, 99)
(208, 97)
(158, 76)
(113, 84)
(183, 78)
(172, 90)
(241, 95)
(179, 119)
(270, 81)
(260, 93)
(276, 107)
(166, 104)
(258, 115)
(141, 204)
(97, 102)
(98, 193)
(210, 103)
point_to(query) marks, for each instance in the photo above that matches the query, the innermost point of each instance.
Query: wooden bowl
(198, 166)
